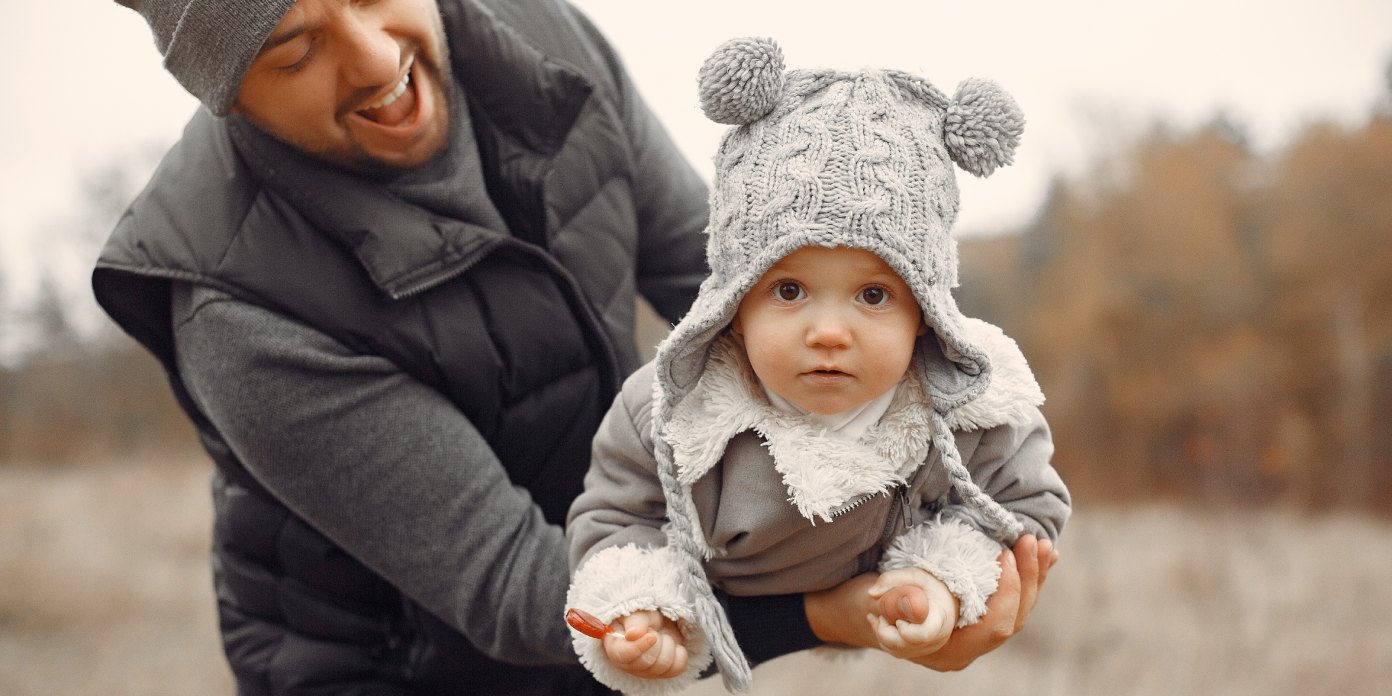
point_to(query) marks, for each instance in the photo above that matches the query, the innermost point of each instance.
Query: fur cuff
(620, 580)
(961, 557)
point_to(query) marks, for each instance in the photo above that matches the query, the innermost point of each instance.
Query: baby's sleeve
(959, 555)
(1011, 464)
(620, 562)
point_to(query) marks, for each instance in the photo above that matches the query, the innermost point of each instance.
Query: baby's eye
(874, 296)
(788, 291)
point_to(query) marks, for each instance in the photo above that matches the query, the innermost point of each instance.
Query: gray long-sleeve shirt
(384, 466)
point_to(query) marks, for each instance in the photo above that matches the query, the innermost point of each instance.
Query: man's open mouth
(391, 109)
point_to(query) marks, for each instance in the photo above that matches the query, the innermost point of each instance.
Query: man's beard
(358, 160)
(350, 155)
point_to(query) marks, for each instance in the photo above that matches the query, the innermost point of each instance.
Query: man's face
(359, 84)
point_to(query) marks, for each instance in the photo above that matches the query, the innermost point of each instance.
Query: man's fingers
(1003, 607)
(1048, 556)
(1026, 554)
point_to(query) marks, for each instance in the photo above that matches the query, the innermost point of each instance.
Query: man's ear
(922, 325)
(735, 325)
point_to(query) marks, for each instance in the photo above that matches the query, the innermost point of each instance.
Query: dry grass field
(104, 590)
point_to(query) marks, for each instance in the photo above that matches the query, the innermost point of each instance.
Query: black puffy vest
(529, 334)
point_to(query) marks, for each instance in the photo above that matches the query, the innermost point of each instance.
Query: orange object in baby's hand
(590, 625)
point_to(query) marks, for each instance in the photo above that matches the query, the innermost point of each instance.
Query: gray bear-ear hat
(821, 157)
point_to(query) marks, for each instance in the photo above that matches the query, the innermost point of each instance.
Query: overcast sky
(83, 85)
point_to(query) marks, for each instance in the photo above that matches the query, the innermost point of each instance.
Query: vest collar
(527, 95)
(404, 248)
(524, 94)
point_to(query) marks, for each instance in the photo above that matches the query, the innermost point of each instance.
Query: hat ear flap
(742, 81)
(982, 127)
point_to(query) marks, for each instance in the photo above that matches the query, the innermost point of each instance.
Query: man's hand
(837, 615)
(1023, 571)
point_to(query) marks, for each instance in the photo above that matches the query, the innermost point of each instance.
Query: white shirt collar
(846, 425)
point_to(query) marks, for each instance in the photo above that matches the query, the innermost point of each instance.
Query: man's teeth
(393, 95)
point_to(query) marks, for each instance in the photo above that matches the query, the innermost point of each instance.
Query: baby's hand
(905, 638)
(647, 644)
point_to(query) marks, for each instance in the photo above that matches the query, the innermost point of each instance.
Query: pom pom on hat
(742, 81)
(982, 127)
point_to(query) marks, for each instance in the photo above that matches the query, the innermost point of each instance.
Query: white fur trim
(620, 580)
(720, 406)
(961, 557)
(824, 474)
(821, 473)
(1013, 387)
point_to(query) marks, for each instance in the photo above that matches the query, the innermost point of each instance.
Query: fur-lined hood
(824, 474)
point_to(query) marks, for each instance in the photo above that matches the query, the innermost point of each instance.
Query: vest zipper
(447, 274)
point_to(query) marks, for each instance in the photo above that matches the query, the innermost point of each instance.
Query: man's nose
(372, 55)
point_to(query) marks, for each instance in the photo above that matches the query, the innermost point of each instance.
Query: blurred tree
(1385, 108)
(1205, 321)
(80, 388)
(49, 321)
(6, 390)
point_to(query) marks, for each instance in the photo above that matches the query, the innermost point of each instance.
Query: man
(391, 270)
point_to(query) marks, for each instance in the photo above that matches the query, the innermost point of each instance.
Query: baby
(824, 409)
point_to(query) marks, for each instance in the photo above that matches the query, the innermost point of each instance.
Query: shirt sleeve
(382, 465)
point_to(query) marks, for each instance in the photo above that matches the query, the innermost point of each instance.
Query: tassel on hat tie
(1005, 528)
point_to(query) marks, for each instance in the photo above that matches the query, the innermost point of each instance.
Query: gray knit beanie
(820, 157)
(209, 44)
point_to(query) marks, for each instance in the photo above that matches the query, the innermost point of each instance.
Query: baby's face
(829, 329)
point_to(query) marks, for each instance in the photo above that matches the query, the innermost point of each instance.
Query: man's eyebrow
(282, 38)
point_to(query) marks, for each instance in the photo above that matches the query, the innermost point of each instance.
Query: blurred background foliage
(1209, 324)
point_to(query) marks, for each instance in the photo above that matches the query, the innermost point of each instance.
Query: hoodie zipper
(853, 504)
(898, 517)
